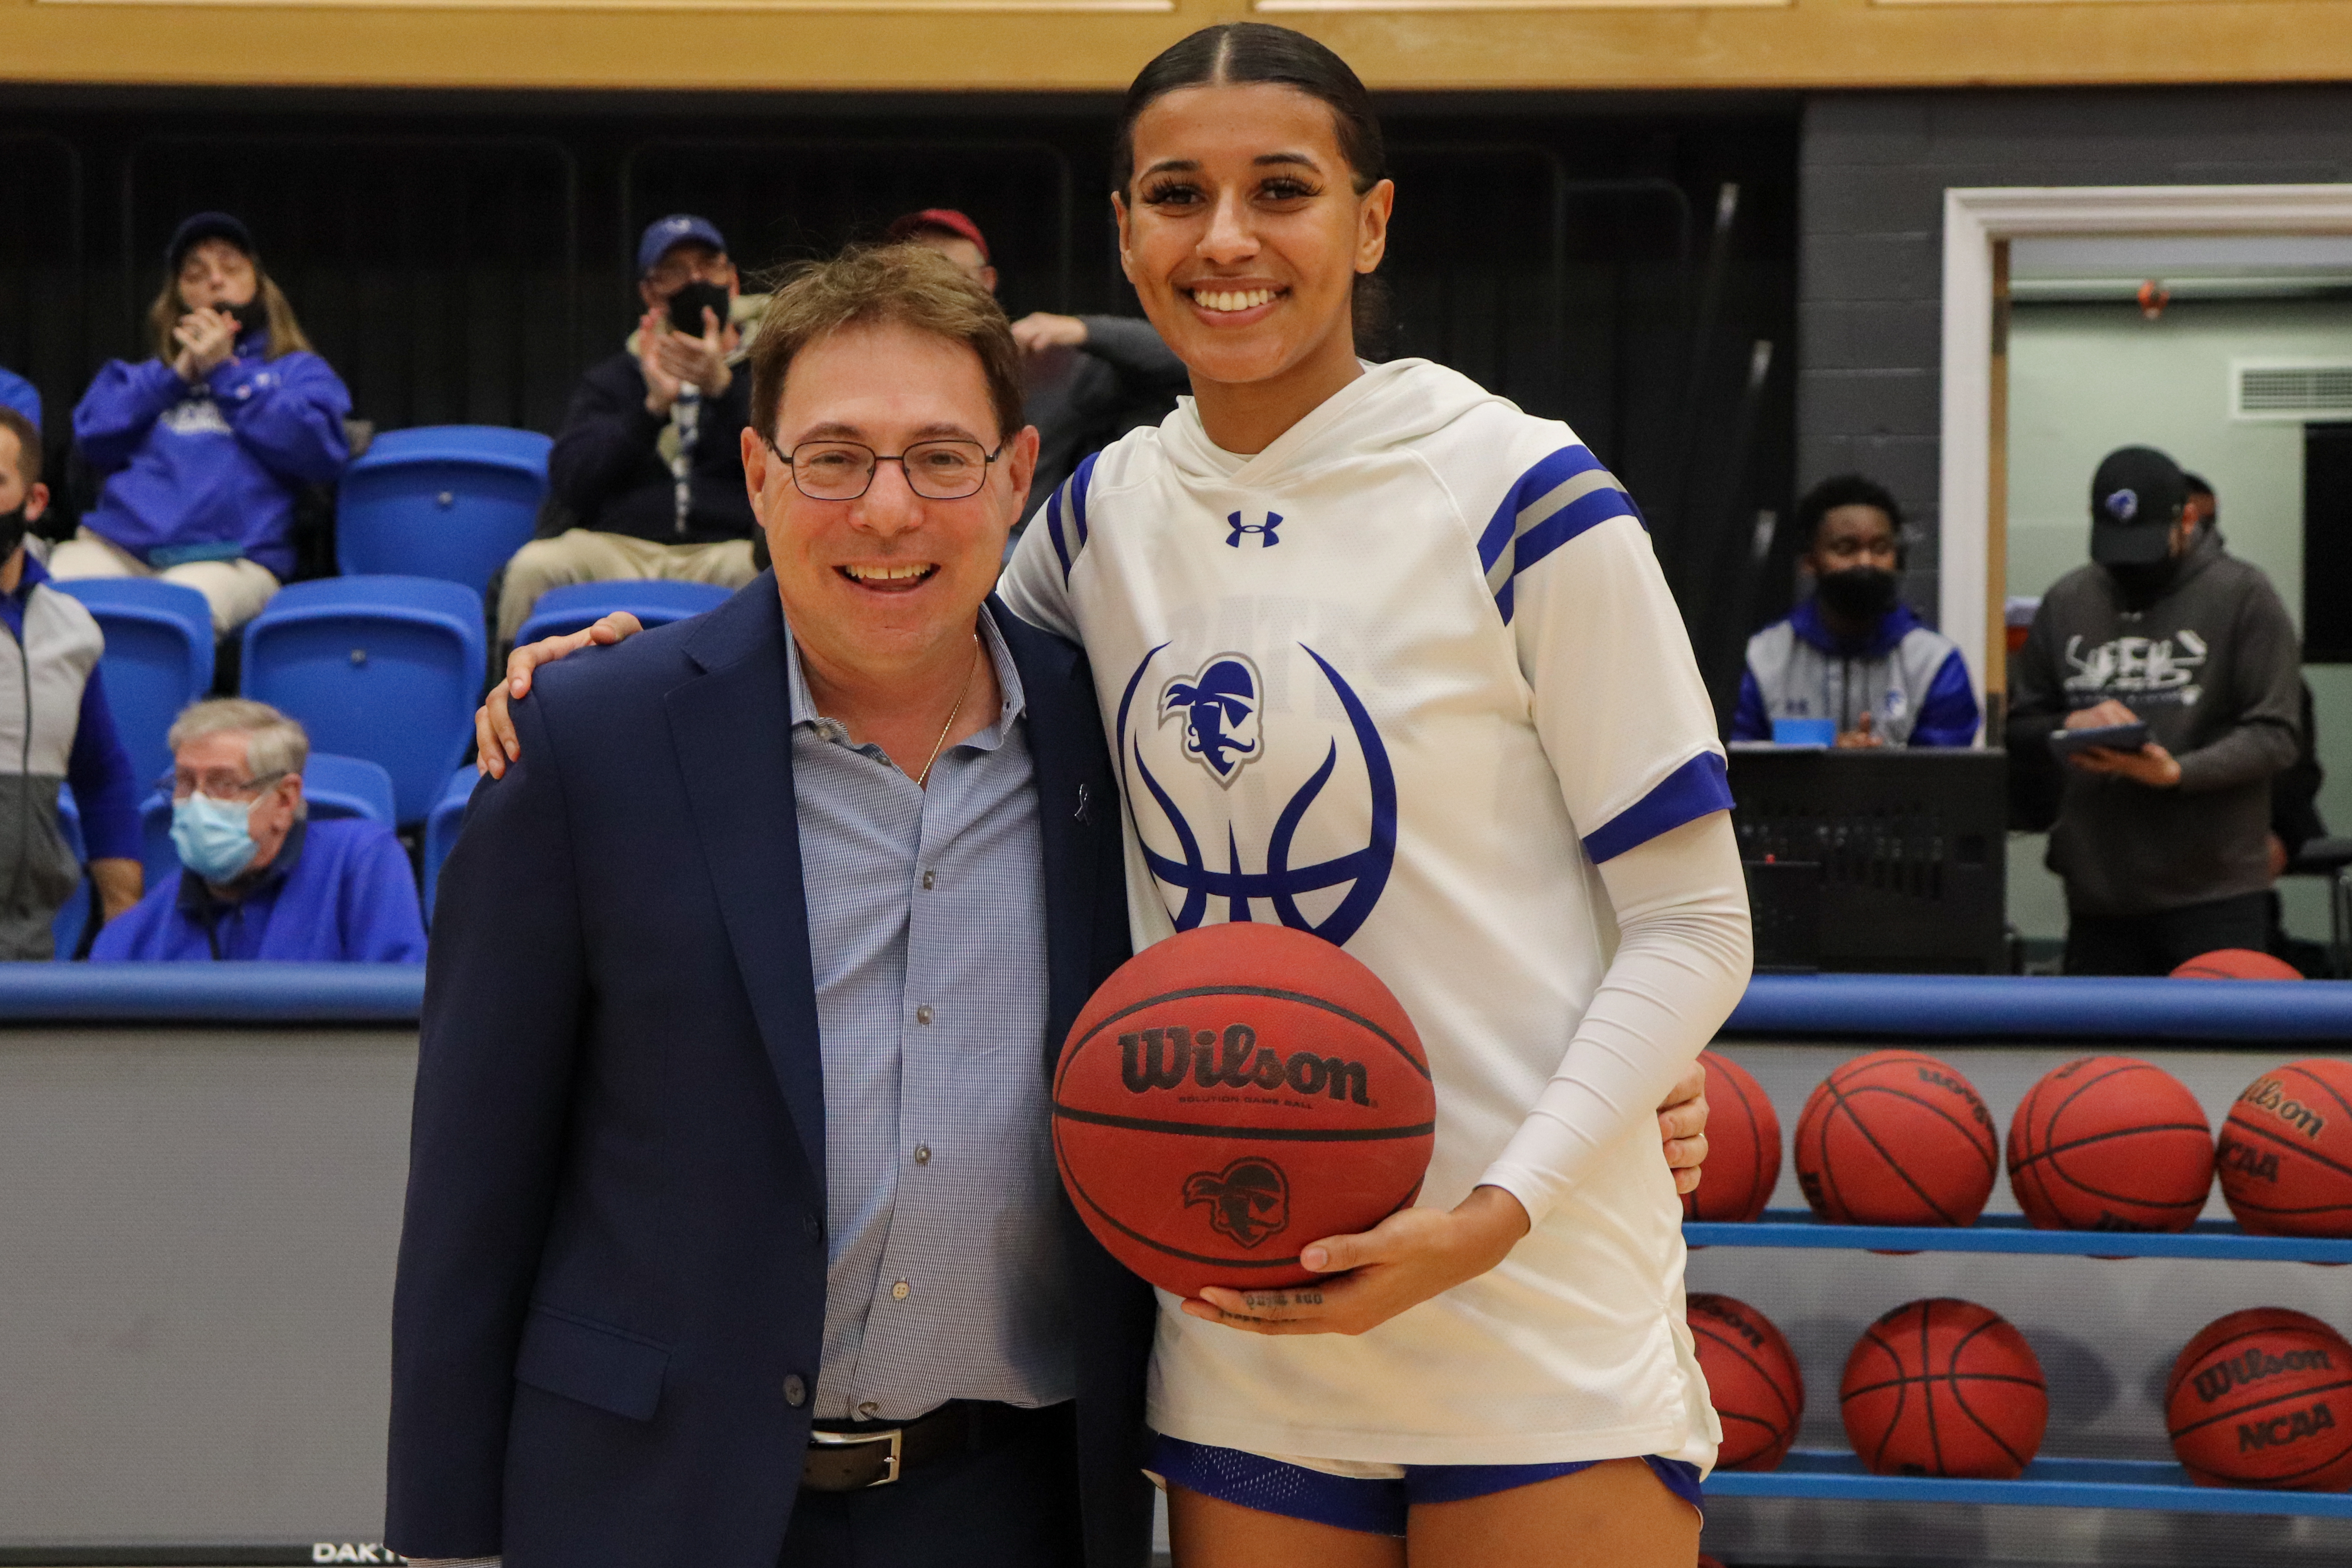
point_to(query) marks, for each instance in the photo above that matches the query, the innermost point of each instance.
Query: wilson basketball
(2263, 1398)
(1743, 1145)
(1897, 1138)
(2110, 1143)
(2236, 964)
(2286, 1155)
(1234, 1093)
(1751, 1379)
(1943, 1387)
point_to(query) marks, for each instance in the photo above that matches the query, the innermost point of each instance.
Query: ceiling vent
(2301, 390)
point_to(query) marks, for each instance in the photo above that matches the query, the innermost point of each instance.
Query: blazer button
(795, 1391)
(809, 1223)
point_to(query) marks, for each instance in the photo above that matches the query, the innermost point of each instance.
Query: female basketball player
(1453, 722)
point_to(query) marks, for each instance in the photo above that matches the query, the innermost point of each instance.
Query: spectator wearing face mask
(1853, 652)
(2164, 848)
(262, 880)
(206, 446)
(647, 470)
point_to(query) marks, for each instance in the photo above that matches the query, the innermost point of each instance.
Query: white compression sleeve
(1683, 960)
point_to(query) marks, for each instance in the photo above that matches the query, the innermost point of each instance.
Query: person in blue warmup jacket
(1854, 653)
(55, 726)
(262, 880)
(206, 446)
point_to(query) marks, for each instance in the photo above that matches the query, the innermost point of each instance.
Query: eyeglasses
(844, 470)
(221, 786)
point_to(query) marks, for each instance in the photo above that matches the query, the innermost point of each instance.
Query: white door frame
(1974, 221)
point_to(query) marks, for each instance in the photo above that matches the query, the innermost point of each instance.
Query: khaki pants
(237, 590)
(583, 555)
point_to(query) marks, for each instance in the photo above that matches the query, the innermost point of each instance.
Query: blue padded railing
(211, 993)
(1971, 1006)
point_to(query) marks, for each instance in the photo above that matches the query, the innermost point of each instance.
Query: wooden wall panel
(998, 45)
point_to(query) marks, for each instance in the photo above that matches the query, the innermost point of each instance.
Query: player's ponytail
(1239, 53)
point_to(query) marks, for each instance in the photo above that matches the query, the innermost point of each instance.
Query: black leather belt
(850, 1456)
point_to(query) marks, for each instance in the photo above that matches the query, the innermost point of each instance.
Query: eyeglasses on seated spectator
(221, 785)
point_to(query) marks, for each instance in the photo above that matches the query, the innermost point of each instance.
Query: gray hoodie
(2213, 666)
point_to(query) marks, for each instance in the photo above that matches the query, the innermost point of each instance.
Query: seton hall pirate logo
(1249, 1200)
(1220, 713)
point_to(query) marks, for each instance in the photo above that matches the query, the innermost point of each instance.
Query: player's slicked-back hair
(911, 285)
(1236, 54)
(28, 445)
(1845, 490)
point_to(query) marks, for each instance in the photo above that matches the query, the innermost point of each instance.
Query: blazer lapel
(1074, 805)
(732, 726)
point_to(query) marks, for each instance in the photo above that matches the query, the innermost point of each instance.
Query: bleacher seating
(441, 827)
(159, 657)
(451, 501)
(335, 786)
(389, 668)
(577, 605)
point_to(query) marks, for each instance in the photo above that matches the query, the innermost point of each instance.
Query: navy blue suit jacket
(610, 1296)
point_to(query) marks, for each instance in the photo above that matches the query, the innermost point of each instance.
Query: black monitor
(1882, 860)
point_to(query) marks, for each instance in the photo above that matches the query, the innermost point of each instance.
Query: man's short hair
(2198, 487)
(28, 445)
(910, 285)
(1843, 490)
(274, 744)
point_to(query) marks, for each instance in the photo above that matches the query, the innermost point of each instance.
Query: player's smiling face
(891, 579)
(1243, 233)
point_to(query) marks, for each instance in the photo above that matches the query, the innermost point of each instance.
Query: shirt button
(923, 1014)
(795, 1391)
(931, 879)
(923, 1153)
(901, 1290)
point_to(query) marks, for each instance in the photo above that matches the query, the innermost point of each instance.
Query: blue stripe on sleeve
(1054, 531)
(1694, 790)
(1586, 511)
(1948, 715)
(105, 788)
(1078, 482)
(1532, 487)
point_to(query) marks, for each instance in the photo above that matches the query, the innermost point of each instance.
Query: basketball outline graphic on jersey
(1265, 530)
(1220, 706)
(1249, 1200)
(1365, 871)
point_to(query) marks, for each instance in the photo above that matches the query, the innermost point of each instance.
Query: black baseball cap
(2136, 497)
(194, 231)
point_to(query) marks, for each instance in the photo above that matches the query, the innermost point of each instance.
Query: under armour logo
(1086, 812)
(1265, 530)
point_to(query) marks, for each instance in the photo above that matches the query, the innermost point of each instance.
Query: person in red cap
(1087, 380)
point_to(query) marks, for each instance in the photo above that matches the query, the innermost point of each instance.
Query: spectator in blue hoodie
(54, 727)
(1853, 652)
(206, 446)
(261, 880)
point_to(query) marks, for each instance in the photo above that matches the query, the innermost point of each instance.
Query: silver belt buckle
(896, 1436)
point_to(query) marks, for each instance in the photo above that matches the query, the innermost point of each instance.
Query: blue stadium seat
(577, 605)
(335, 786)
(76, 914)
(389, 668)
(451, 501)
(159, 657)
(441, 828)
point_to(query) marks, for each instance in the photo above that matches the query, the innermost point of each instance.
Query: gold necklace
(970, 673)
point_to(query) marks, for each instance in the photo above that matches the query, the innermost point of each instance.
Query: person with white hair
(262, 880)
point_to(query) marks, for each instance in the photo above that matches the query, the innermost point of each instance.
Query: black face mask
(1858, 592)
(248, 316)
(2143, 585)
(12, 531)
(686, 308)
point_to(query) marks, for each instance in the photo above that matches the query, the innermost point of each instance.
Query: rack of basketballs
(2106, 1156)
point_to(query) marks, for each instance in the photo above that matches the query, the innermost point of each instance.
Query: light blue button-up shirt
(927, 930)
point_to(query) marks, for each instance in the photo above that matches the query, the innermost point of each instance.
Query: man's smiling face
(891, 580)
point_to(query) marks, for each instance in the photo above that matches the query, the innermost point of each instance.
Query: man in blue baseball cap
(646, 478)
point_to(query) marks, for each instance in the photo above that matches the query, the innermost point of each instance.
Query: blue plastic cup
(1805, 731)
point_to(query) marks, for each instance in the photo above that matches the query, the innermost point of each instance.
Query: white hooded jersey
(1403, 680)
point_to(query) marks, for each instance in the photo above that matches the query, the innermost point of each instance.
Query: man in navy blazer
(611, 1321)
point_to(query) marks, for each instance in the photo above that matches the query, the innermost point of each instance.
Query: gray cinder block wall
(1873, 172)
